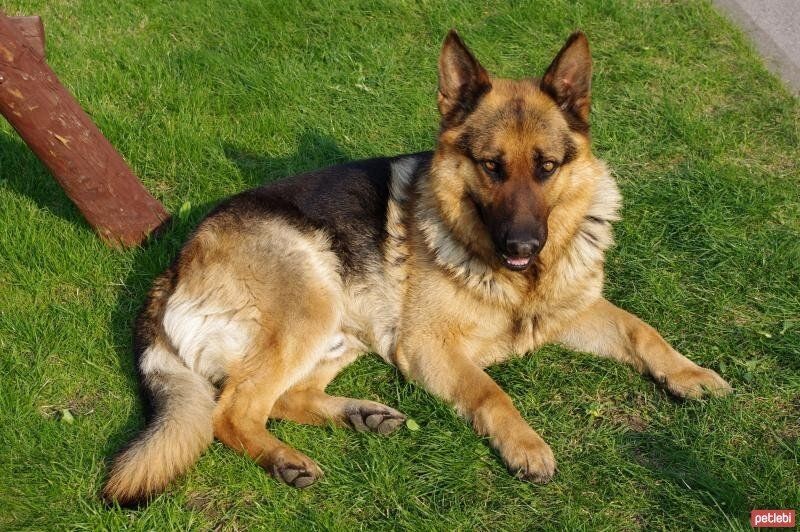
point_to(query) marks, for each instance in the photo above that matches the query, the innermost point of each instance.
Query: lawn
(205, 99)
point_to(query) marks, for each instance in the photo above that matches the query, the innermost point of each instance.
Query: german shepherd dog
(442, 262)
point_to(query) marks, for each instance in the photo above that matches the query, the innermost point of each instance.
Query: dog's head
(507, 148)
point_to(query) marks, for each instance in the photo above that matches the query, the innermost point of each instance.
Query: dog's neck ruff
(583, 248)
(452, 255)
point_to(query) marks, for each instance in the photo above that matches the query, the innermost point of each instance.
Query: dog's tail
(180, 426)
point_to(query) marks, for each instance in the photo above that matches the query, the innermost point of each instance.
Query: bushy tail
(178, 432)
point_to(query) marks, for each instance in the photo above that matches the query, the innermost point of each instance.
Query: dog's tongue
(518, 262)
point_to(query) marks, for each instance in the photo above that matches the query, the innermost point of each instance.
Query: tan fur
(167, 448)
(259, 306)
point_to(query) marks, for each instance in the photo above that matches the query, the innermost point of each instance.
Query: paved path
(774, 27)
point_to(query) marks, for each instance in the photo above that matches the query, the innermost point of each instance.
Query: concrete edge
(774, 58)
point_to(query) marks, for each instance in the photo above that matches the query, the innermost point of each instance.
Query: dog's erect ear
(462, 80)
(569, 77)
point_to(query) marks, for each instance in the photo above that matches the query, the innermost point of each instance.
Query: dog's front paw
(695, 382)
(529, 458)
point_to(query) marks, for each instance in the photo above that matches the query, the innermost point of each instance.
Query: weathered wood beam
(33, 30)
(55, 127)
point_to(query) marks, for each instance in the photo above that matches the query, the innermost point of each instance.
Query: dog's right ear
(462, 80)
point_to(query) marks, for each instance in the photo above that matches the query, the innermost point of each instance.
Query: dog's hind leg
(308, 403)
(315, 407)
(253, 386)
(298, 320)
(239, 422)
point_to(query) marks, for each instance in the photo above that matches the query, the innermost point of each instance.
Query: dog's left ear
(462, 80)
(569, 77)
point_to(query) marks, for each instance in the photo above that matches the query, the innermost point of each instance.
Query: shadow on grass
(22, 172)
(677, 464)
(314, 150)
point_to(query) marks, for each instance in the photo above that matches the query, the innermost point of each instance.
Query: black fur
(570, 151)
(347, 201)
(146, 329)
(596, 220)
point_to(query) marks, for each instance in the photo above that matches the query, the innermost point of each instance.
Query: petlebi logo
(772, 518)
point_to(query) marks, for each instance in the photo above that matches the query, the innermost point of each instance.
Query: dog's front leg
(609, 331)
(445, 370)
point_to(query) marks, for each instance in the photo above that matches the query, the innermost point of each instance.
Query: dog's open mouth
(517, 263)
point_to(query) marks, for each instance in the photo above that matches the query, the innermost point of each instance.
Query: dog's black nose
(523, 248)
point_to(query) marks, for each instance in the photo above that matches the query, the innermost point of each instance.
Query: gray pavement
(774, 27)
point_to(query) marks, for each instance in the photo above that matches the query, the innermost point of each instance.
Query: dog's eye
(546, 169)
(493, 168)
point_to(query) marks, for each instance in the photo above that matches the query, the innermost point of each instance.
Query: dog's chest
(527, 328)
(524, 331)
(530, 328)
(371, 312)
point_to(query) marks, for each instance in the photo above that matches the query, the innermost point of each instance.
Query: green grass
(205, 99)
